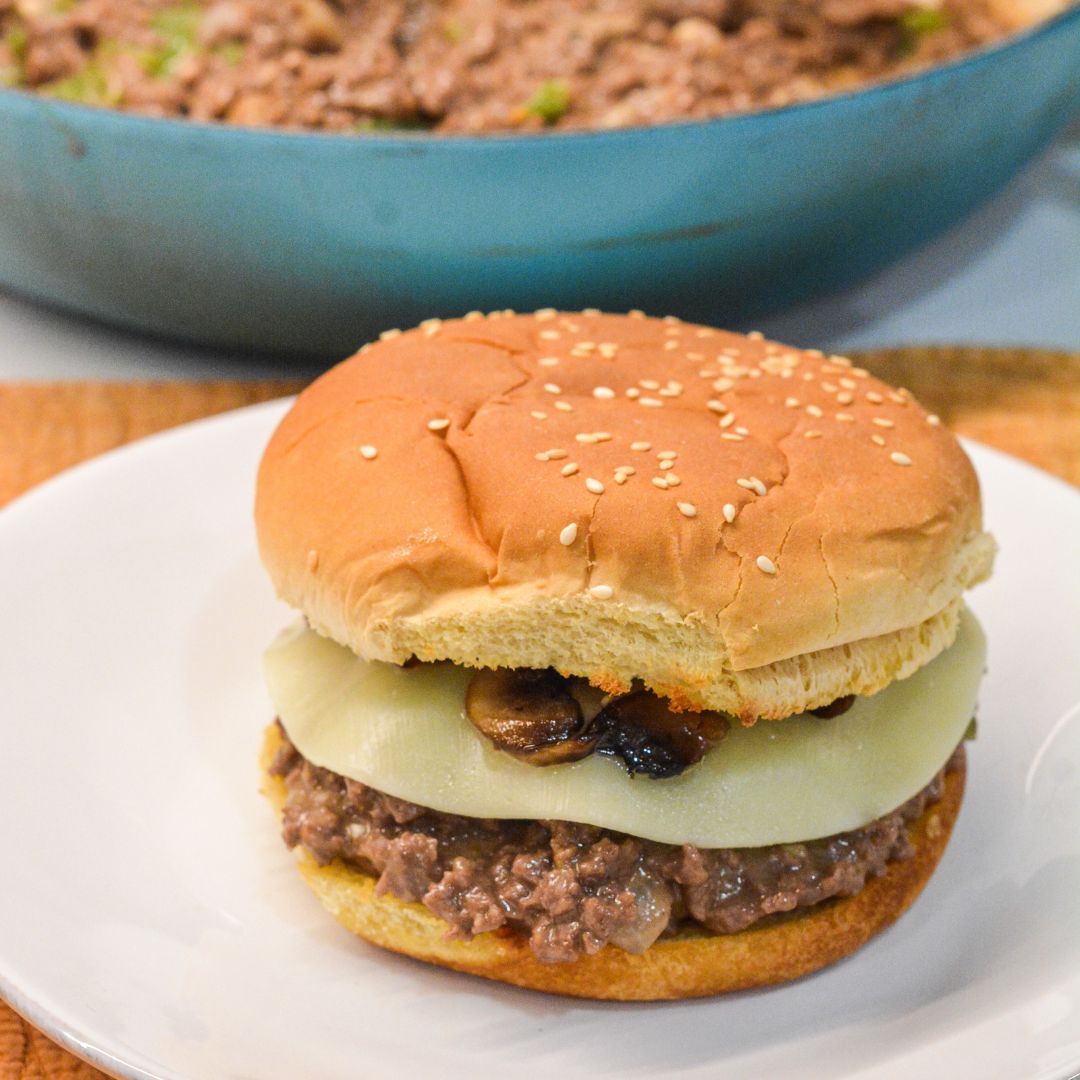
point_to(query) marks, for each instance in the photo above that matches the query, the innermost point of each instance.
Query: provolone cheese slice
(404, 731)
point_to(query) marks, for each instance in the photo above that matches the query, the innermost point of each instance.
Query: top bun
(487, 491)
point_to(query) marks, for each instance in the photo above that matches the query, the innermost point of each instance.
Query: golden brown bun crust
(446, 543)
(687, 965)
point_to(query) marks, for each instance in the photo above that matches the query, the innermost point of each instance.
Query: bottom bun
(691, 963)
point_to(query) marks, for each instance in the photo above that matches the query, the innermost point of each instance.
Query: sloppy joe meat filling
(572, 889)
(474, 65)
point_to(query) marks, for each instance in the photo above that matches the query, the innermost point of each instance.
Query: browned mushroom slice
(835, 708)
(651, 739)
(530, 714)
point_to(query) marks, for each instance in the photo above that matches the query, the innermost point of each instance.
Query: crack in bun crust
(690, 964)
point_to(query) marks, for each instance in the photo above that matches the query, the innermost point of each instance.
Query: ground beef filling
(474, 65)
(572, 889)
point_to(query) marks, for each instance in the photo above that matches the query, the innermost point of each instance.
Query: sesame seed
(848, 384)
(749, 485)
(552, 388)
(687, 509)
(878, 440)
(537, 415)
(811, 434)
(545, 314)
(549, 335)
(675, 386)
(542, 456)
(651, 402)
(636, 313)
(586, 346)
(556, 455)
(564, 406)
(590, 311)
(670, 345)
(731, 436)
(829, 388)
(601, 592)
(548, 361)
(313, 560)
(727, 420)
(756, 335)
(933, 420)
(660, 481)
(695, 356)
(620, 478)
(438, 424)
(882, 422)
(586, 437)
(473, 316)
(874, 396)
(668, 455)
(629, 470)
(604, 393)
(387, 335)
(723, 385)
(814, 411)
(669, 393)
(368, 453)
(608, 349)
(898, 398)
(673, 320)
(594, 485)
(648, 384)
(641, 447)
(569, 468)
(729, 512)
(844, 399)
(568, 534)
(899, 459)
(765, 564)
(758, 486)
(791, 402)
(633, 392)
(673, 480)
(716, 406)
(666, 464)
(602, 436)
(845, 418)
(742, 431)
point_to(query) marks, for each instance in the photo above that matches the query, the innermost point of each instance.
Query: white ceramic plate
(151, 919)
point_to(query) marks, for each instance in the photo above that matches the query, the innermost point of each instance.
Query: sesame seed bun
(740, 525)
(692, 963)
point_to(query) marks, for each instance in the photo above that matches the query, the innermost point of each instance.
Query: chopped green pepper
(178, 27)
(916, 23)
(455, 31)
(550, 101)
(89, 86)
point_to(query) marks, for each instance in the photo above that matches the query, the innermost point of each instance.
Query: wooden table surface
(1024, 402)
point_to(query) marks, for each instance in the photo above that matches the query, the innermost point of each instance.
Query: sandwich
(633, 661)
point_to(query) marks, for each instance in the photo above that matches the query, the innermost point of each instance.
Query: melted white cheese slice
(403, 731)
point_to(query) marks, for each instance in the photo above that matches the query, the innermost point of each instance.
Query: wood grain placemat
(1025, 402)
